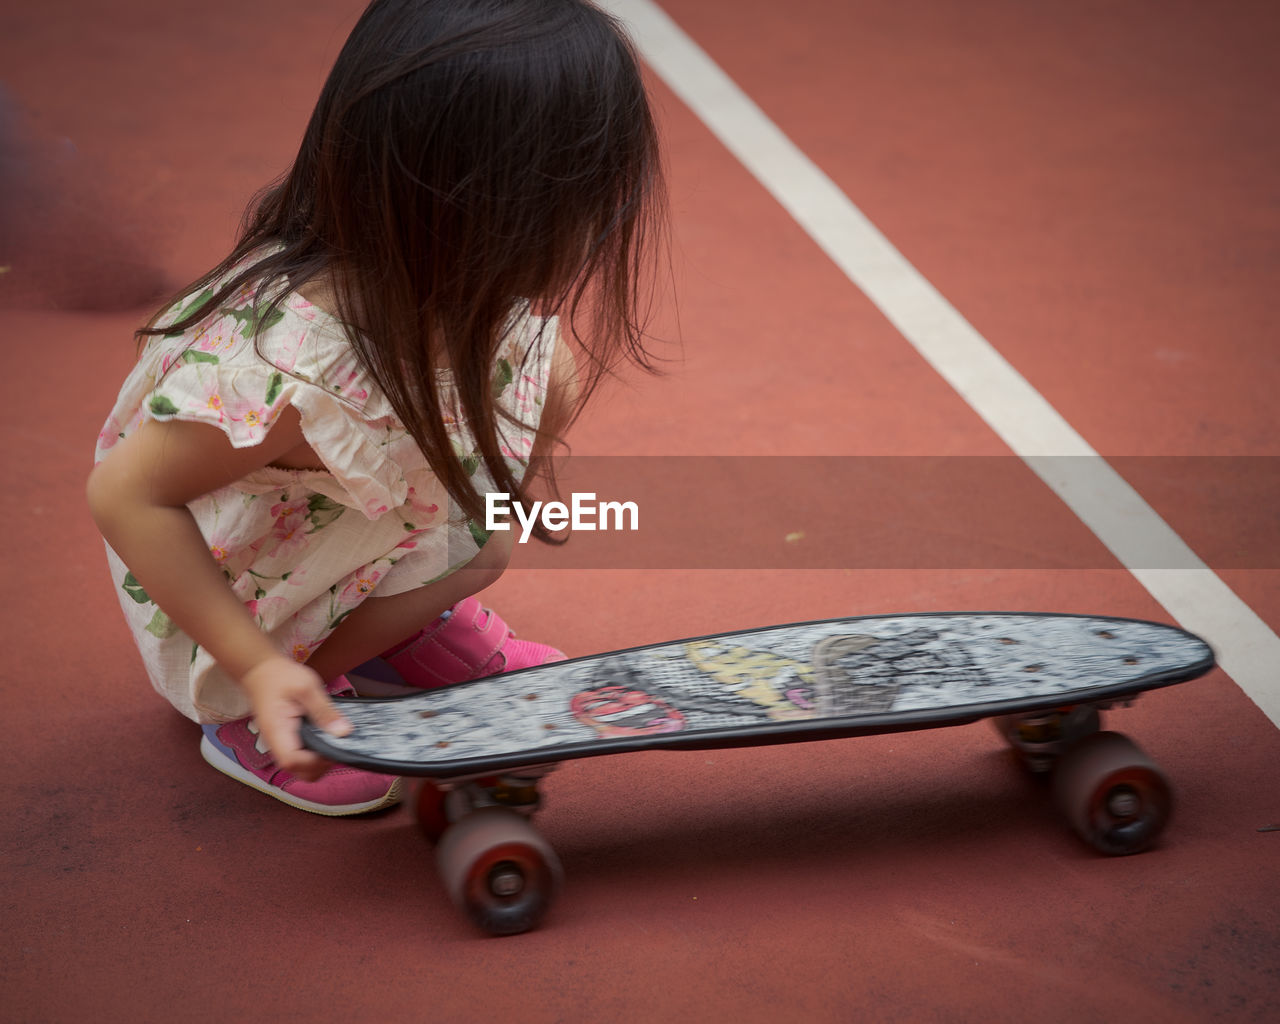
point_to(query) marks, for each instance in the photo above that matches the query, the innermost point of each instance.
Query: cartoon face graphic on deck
(619, 711)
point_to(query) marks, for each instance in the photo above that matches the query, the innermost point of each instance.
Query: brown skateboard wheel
(498, 870)
(1112, 793)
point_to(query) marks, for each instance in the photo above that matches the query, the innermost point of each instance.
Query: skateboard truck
(440, 803)
(1040, 738)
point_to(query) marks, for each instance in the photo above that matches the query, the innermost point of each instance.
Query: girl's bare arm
(138, 496)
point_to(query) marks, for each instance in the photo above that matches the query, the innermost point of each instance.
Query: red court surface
(1091, 185)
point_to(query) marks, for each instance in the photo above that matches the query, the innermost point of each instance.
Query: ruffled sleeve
(221, 377)
(367, 458)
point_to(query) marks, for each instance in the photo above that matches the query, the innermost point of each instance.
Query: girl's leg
(380, 623)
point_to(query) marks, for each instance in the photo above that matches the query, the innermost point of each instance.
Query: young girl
(292, 478)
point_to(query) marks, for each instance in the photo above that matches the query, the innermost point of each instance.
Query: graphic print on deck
(806, 680)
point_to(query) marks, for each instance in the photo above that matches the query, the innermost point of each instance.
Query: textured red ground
(1091, 185)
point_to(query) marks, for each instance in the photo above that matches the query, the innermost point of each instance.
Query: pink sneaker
(467, 642)
(236, 750)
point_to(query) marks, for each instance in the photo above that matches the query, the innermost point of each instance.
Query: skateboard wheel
(1112, 793)
(498, 870)
(429, 810)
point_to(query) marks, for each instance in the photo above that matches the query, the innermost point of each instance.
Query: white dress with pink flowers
(302, 548)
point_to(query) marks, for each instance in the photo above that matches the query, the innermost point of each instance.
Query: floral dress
(303, 548)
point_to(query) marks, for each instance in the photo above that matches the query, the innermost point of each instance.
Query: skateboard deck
(805, 681)
(482, 747)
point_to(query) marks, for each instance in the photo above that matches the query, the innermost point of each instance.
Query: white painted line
(1247, 648)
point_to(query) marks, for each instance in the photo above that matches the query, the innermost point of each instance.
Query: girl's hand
(281, 692)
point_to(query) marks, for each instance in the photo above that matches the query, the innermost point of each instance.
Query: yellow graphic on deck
(784, 686)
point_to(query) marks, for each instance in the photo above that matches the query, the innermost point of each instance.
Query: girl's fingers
(320, 710)
(283, 692)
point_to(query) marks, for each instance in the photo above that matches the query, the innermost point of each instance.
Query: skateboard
(483, 748)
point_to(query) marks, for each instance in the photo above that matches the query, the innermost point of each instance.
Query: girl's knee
(494, 557)
(475, 578)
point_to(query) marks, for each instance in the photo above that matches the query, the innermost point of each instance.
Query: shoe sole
(217, 759)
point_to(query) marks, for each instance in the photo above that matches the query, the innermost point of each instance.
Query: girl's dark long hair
(463, 155)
